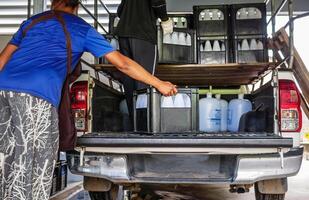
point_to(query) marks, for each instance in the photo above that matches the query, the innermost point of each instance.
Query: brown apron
(67, 130)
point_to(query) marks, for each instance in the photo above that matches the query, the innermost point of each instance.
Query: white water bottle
(202, 47)
(188, 40)
(253, 44)
(245, 45)
(167, 39)
(175, 38)
(167, 102)
(187, 100)
(216, 46)
(260, 45)
(223, 47)
(182, 39)
(179, 101)
(208, 46)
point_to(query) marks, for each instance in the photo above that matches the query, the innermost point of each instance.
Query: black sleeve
(120, 8)
(159, 7)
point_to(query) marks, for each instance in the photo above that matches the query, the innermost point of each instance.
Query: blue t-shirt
(38, 67)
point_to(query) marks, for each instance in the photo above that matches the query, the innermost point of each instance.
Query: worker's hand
(167, 88)
(167, 26)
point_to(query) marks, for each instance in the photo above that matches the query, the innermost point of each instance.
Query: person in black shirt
(137, 32)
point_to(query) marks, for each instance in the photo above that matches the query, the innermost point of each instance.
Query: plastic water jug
(188, 40)
(201, 47)
(141, 101)
(123, 107)
(260, 45)
(167, 39)
(245, 45)
(237, 107)
(175, 38)
(208, 46)
(209, 114)
(182, 38)
(187, 100)
(114, 44)
(253, 44)
(179, 101)
(167, 102)
(224, 107)
(216, 46)
(223, 47)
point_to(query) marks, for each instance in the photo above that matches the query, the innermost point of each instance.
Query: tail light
(290, 111)
(79, 99)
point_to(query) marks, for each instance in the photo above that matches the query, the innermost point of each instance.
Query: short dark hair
(68, 3)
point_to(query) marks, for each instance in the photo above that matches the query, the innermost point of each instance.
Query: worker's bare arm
(135, 71)
(6, 54)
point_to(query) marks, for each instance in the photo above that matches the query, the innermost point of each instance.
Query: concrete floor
(298, 190)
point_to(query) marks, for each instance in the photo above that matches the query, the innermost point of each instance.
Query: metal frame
(96, 20)
(29, 9)
(111, 80)
(274, 13)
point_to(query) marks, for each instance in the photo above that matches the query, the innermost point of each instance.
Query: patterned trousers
(28, 146)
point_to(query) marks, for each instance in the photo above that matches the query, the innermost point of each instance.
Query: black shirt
(138, 18)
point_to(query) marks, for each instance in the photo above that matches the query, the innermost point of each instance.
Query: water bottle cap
(241, 96)
(218, 96)
(209, 95)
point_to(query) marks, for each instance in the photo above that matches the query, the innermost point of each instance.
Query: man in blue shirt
(33, 68)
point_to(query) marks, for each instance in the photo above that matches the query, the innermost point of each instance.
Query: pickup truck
(117, 164)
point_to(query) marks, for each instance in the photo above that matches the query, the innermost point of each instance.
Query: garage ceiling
(13, 12)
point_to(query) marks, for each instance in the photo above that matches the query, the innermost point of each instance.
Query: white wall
(4, 40)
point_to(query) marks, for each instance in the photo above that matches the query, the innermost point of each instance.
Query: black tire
(260, 196)
(100, 195)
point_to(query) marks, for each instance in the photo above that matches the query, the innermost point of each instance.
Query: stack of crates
(178, 47)
(249, 33)
(155, 113)
(211, 23)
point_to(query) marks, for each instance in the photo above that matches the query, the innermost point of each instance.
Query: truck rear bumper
(187, 169)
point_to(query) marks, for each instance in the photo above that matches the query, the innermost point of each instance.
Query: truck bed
(194, 140)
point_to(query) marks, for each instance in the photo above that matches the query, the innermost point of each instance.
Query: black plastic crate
(178, 47)
(63, 175)
(249, 19)
(159, 115)
(182, 20)
(113, 23)
(213, 50)
(211, 20)
(55, 179)
(251, 49)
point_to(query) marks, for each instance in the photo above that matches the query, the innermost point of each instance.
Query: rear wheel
(260, 196)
